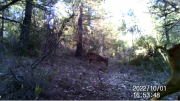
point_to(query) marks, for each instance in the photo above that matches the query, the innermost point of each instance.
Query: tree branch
(6, 6)
(11, 20)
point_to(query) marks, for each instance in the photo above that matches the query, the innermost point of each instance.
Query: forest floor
(74, 80)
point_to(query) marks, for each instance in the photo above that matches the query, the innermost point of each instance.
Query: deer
(173, 85)
(95, 57)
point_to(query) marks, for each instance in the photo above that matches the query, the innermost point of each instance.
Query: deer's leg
(90, 62)
(171, 87)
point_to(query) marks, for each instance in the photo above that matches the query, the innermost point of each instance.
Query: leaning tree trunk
(80, 30)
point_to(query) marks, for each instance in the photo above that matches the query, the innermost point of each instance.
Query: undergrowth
(19, 81)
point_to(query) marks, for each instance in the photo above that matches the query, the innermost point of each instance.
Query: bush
(140, 60)
(20, 82)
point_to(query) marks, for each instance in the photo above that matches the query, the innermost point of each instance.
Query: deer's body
(174, 83)
(95, 57)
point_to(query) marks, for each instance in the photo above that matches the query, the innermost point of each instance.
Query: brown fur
(174, 83)
(95, 57)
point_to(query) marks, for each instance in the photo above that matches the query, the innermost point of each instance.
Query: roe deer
(173, 84)
(95, 57)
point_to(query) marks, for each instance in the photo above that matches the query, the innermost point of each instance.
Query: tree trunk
(80, 30)
(103, 44)
(2, 27)
(24, 37)
(1, 38)
(89, 16)
(166, 29)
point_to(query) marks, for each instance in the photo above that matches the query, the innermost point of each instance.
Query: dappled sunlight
(141, 51)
